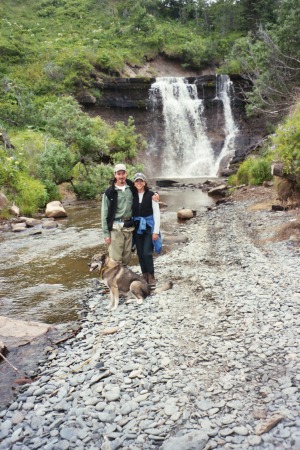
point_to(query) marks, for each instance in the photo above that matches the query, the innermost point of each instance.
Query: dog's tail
(165, 287)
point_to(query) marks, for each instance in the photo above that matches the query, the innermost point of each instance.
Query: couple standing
(131, 208)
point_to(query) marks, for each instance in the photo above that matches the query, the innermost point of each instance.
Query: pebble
(203, 365)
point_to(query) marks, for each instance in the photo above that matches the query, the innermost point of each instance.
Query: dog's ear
(103, 257)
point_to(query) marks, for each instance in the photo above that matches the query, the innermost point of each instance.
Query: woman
(146, 216)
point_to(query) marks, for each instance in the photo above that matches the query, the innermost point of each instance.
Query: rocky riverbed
(212, 363)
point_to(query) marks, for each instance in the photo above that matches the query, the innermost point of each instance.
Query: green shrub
(85, 189)
(243, 173)
(31, 195)
(89, 183)
(286, 144)
(253, 171)
(260, 171)
(52, 190)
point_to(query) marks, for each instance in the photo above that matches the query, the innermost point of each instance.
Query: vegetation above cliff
(53, 50)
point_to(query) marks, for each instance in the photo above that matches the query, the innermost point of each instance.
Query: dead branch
(9, 363)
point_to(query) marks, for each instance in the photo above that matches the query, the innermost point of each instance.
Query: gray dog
(122, 280)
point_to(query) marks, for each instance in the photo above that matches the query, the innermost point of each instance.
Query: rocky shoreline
(212, 363)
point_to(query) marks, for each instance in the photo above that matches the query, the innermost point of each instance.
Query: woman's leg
(147, 251)
(139, 238)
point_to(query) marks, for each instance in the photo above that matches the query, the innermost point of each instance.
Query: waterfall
(186, 150)
(224, 87)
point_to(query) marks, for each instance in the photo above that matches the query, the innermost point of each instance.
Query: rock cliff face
(124, 97)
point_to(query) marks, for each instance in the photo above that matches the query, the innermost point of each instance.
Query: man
(117, 223)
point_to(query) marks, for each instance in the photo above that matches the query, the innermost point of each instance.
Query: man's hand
(154, 236)
(107, 240)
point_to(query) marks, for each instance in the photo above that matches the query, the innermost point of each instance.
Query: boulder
(165, 183)
(185, 214)
(14, 210)
(30, 222)
(19, 332)
(218, 190)
(3, 201)
(55, 209)
(49, 224)
(21, 226)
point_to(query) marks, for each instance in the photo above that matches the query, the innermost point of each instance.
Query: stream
(44, 273)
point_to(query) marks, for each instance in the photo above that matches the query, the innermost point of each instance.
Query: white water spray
(187, 151)
(224, 87)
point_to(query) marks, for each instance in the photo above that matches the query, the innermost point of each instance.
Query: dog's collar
(102, 270)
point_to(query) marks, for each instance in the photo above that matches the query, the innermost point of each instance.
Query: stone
(55, 209)
(196, 440)
(268, 424)
(185, 214)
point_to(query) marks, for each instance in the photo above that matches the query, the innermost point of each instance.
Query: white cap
(139, 176)
(119, 167)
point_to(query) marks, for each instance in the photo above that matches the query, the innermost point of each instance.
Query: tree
(257, 12)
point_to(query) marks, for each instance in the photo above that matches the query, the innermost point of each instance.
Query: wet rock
(17, 227)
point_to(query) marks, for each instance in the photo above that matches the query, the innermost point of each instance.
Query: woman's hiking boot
(146, 277)
(151, 280)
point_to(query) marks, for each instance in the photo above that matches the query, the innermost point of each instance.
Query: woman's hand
(154, 237)
(107, 240)
(155, 197)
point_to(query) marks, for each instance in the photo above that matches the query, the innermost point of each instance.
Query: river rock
(20, 226)
(49, 224)
(3, 201)
(218, 190)
(14, 210)
(31, 222)
(185, 214)
(55, 209)
(196, 440)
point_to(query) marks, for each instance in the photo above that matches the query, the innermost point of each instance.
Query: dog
(122, 280)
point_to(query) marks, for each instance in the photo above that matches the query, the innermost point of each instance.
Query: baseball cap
(139, 176)
(119, 167)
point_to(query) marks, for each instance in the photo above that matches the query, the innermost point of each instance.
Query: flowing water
(186, 146)
(224, 93)
(44, 273)
(186, 150)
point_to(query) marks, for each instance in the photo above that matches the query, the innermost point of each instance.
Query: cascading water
(186, 149)
(224, 87)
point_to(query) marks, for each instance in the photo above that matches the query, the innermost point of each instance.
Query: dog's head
(98, 261)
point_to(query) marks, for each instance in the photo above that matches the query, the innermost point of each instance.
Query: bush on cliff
(286, 145)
